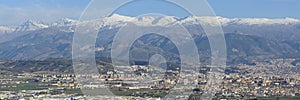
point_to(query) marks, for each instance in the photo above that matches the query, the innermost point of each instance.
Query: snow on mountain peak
(155, 20)
(30, 26)
(65, 22)
(116, 20)
(266, 21)
(5, 29)
(205, 20)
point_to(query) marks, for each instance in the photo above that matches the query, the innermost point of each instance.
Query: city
(149, 50)
(262, 80)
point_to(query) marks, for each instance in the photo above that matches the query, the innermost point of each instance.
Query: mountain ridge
(114, 18)
(246, 42)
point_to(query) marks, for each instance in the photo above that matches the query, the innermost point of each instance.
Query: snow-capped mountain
(6, 29)
(116, 20)
(209, 20)
(260, 36)
(266, 21)
(240, 21)
(65, 22)
(265, 27)
(30, 26)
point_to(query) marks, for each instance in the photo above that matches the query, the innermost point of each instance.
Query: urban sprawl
(274, 78)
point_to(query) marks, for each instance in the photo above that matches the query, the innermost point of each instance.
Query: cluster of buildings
(264, 79)
(273, 78)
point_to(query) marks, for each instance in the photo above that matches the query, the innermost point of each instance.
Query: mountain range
(247, 39)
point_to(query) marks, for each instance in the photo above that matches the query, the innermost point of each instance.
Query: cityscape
(149, 50)
(263, 80)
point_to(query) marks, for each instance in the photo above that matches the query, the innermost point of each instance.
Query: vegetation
(21, 86)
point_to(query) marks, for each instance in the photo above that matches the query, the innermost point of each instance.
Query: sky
(15, 12)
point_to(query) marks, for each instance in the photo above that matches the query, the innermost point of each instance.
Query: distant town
(273, 79)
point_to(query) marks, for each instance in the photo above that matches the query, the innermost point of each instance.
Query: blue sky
(14, 12)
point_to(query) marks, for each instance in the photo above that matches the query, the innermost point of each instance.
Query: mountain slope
(51, 43)
(39, 44)
(249, 39)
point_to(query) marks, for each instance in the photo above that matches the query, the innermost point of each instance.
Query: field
(21, 86)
